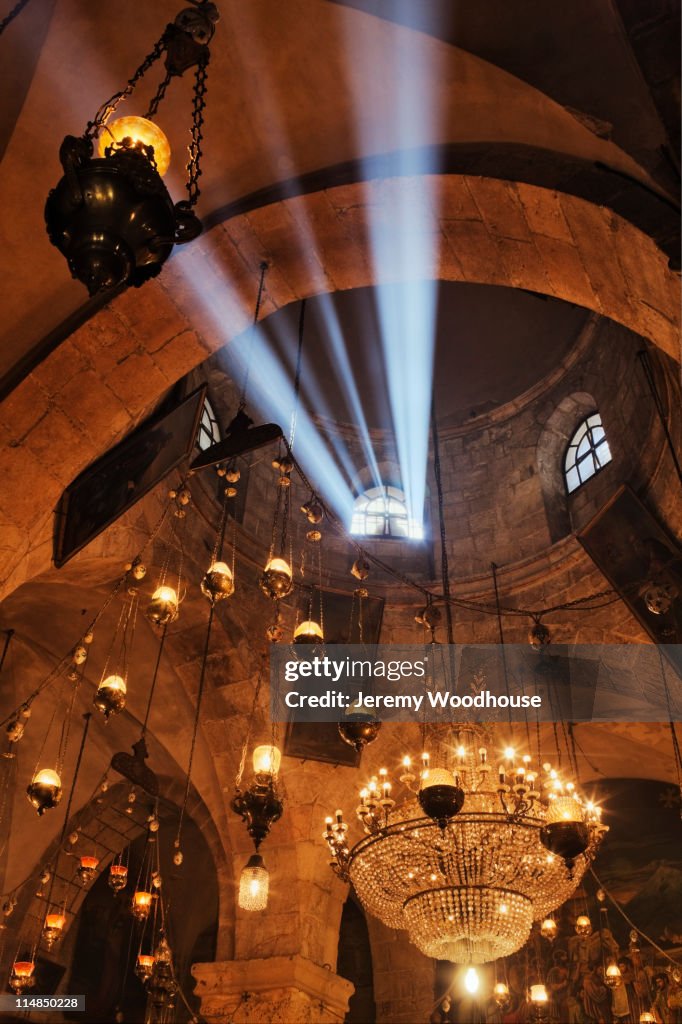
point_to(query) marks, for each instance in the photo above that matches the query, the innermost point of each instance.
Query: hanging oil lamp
(260, 806)
(141, 904)
(87, 869)
(111, 214)
(501, 993)
(45, 790)
(144, 966)
(165, 602)
(22, 975)
(277, 579)
(110, 697)
(164, 605)
(118, 877)
(53, 928)
(218, 582)
(308, 632)
(548, 929)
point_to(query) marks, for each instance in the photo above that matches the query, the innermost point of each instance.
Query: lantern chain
(158, 95)
(195, 151)
(17, 9)
(108, 108)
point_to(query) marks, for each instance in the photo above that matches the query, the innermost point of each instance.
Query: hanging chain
(9, 18)
(108, 108)
(158, 95)
(195, 151)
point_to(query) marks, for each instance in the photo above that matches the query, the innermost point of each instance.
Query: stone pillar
(276, 990)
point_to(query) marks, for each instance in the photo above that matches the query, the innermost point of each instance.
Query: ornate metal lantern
(111, 215)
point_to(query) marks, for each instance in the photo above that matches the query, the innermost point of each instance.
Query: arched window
(209, 431)
(588, 451)
(382, 512)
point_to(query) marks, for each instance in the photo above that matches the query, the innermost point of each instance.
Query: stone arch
(551, 447)
(101, 380)
(101, 818)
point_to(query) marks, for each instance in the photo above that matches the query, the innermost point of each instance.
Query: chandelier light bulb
(472, 981)
(509, 753)
(266, 760)
(45, 790)
(254, 884)
(137, 133)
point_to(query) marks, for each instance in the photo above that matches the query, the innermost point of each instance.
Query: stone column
(275, 990)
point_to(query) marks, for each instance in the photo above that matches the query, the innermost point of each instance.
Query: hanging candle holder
(22, 974)
(311, 630)
(276, 581)
(144, 965)
(111, 215)
(118, 876)
(110, 696)
(168, 593)
(218, 581)
(87, 869)
(143, 898)
(53, 927)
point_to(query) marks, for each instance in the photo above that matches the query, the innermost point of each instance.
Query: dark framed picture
(642, 563)
(320, 741)
(110, 486)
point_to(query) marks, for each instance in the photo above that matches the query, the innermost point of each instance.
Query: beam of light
(247, 36)
(271, 393)
(405, 244)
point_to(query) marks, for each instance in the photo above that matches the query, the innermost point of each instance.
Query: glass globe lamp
(612, 976)
(548, 929)
(163, 607)
(110, 697)
(308, 632)
(218, 583)
(138, 133)
(501, 993)
(440, 797)
(45, 790)
(277, 579)
(266, 760)
(254, 884)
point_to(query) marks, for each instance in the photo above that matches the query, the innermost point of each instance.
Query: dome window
(588, 451)
(382, 512)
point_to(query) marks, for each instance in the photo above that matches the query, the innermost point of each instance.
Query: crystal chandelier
(471, 856)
